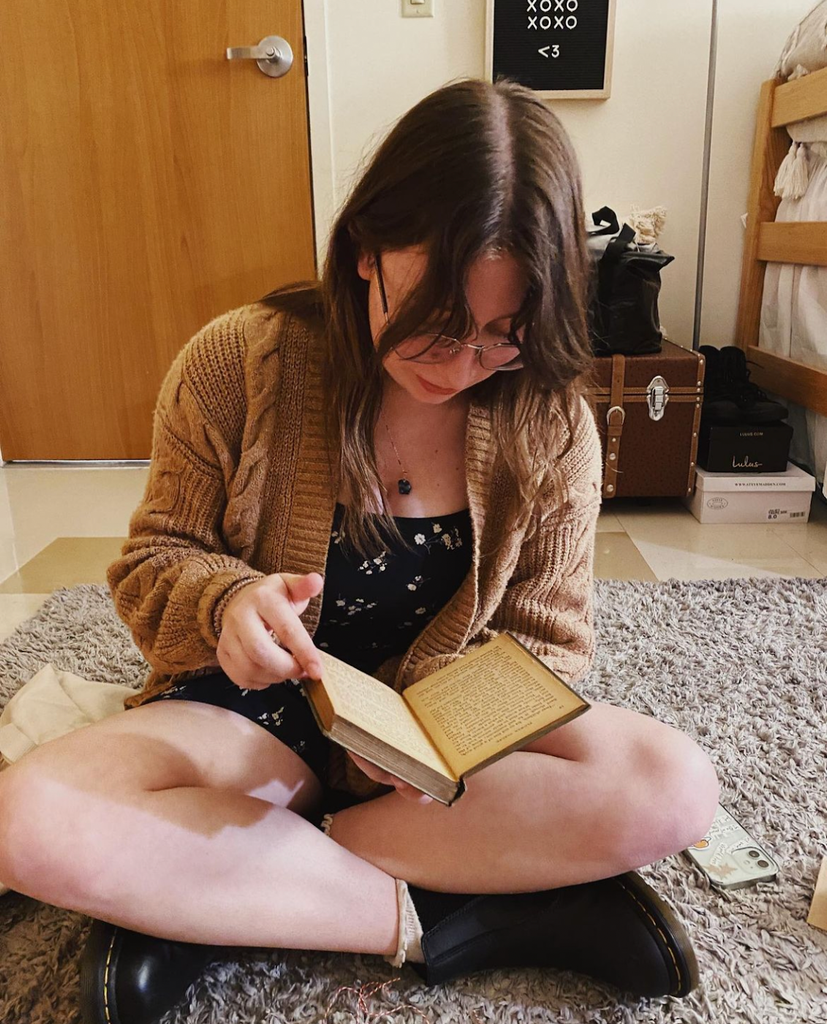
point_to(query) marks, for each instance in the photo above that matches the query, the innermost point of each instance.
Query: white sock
(409, 941)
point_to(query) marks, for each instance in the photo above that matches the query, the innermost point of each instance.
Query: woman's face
(495, 290)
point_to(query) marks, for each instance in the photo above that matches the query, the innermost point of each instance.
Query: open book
(449, 725)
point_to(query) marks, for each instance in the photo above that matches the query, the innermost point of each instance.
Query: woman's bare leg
(145, 819)
(141, 824)
(606, 793)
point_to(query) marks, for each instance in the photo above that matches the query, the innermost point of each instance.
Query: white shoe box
(752, 497)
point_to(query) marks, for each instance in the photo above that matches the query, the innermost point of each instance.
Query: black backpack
(623, 311)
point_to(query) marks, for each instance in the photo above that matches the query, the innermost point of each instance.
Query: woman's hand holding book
(403, 788)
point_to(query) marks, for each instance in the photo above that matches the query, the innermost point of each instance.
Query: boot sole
(97, 976)
(667, 929)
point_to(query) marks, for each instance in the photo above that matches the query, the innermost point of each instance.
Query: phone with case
(729, 856)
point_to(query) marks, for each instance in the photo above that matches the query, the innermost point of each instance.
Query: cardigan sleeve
(175, 574)
(548, 601)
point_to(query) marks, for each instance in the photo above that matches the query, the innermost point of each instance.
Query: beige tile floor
(62, 525)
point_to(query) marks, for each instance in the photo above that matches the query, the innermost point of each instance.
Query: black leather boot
(719, 405)
(755, 404)
(616, 930)
(729, 395)
(130, 978)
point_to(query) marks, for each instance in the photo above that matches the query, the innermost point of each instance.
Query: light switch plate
(417, 10)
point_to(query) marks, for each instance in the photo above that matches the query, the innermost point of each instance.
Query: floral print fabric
(374, 608)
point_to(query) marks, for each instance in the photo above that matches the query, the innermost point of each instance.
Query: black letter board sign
(559, 48)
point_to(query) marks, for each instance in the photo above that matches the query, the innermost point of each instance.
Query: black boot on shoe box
(742, 429)
(729, 397)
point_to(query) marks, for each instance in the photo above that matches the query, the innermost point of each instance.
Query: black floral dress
(375, 608)
(371, 609)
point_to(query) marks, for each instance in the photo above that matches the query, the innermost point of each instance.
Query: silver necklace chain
(404, 484)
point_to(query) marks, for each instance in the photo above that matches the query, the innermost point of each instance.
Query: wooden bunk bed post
(766, 241)
(768, 151)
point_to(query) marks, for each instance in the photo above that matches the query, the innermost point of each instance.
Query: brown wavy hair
(473, 169)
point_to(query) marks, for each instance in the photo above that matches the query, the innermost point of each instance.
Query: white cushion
(806, 49)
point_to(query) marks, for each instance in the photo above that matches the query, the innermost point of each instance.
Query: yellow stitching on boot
(660, 932)
(106, 979)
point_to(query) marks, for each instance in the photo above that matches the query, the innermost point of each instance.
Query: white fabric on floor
(52, 703)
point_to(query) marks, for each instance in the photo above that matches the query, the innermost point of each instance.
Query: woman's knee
(46, 847)
(676, 794)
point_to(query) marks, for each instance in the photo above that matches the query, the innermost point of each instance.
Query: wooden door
(147, 184)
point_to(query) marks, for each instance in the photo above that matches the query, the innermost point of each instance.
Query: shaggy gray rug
(739, 664)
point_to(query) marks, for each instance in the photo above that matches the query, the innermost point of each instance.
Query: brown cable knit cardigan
(240, 487)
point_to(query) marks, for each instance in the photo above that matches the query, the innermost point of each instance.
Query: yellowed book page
(379, 710)
(488, 700)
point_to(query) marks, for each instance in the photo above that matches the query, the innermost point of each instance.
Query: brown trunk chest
(648, 411)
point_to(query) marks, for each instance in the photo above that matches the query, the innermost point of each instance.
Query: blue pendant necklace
(403, 483)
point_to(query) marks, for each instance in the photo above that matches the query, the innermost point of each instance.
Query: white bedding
(794, 307)
(806, 49)
(794, 315)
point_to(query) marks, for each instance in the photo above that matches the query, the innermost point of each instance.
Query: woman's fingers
(292, 635)
(263, 640)
(258, 664)
(378, 774)
(265, 654)
(302, 588)
(373, 771)
(290, 631)
(245, 675)
(416, 796)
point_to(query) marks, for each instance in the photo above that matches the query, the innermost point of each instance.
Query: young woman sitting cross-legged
(392, 464)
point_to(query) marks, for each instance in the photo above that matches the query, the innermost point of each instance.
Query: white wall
(642, 146)
(745, 59)
(381, 64)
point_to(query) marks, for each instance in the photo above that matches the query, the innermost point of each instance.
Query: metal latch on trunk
(657, 395)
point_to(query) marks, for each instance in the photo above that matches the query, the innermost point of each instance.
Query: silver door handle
(273, 55)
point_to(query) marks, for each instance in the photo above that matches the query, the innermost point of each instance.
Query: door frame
(320, 129)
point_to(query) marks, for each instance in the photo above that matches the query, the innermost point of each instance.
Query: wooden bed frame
(769, 242)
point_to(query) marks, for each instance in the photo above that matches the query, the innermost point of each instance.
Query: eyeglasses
(439, 348)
